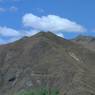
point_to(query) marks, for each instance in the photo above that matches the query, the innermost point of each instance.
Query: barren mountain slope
(86, 41)
(46, 60)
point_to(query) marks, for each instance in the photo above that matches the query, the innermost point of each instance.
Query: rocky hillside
(46, 60)
(86, 41)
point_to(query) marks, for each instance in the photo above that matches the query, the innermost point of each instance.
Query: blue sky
(79, 13)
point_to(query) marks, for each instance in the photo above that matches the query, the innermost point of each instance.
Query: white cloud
(13, 33)
(8, 32)
(60, 34)
(51, 23)
(8, 35)
(30, 32)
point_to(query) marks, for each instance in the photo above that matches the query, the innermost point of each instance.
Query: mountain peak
(45, 34)
(86, 41)
(46, 60)
(84, 38)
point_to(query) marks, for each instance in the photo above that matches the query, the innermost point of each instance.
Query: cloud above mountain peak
(51, 23)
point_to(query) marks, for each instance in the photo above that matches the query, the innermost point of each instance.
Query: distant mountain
(46, 60)
(86, 41)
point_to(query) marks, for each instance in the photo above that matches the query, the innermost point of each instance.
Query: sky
(66, 18)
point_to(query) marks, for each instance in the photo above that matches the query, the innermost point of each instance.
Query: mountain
(46, 60)
(86, 41)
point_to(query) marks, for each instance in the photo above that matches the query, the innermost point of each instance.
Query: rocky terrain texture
(86, 41)
(46, 60)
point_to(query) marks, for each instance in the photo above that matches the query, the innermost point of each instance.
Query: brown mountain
(86, 41)
(46, 60)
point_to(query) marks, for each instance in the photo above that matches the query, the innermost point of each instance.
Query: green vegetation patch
(41, 91)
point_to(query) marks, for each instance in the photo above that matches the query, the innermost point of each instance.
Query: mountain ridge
(86, 41)
(47, 60)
